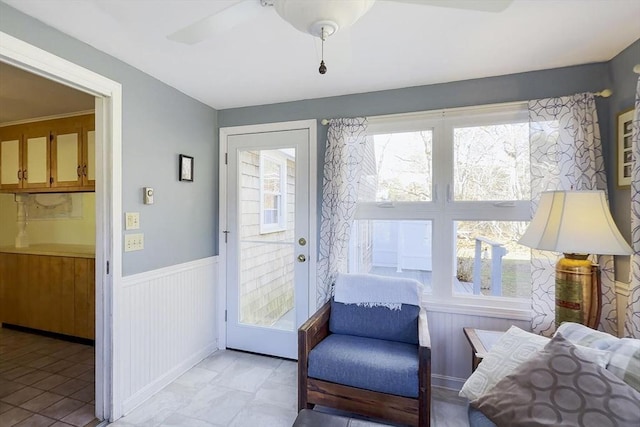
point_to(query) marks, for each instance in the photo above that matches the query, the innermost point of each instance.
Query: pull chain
(323, 68)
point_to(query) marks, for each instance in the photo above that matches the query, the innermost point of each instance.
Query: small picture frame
(185, 168)
(624, 147)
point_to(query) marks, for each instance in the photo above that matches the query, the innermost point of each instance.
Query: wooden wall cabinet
(49, 293)
(24, 158)
(48, 156)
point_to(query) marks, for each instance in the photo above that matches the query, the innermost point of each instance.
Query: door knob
(302, 258)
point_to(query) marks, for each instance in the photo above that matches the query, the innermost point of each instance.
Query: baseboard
(446, 382)
(152, 388)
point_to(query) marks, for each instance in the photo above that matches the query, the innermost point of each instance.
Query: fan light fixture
(321, 18)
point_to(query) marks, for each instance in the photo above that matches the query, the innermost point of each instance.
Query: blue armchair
(369, 360)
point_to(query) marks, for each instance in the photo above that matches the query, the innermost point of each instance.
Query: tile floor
(231, 388)
(45, 381)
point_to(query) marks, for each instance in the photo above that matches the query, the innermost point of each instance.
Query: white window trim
(443, 210)
(281, 225)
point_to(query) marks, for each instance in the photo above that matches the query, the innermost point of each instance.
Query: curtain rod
(605, 93)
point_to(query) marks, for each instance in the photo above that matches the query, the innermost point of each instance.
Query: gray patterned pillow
(560, 387)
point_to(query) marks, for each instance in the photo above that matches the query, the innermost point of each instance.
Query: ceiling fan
(320, 18)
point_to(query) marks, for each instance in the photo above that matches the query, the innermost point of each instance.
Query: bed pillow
(512, 349)
(625, 361)
(579, 334)
(560, 387)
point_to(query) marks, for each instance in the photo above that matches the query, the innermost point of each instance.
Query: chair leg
(424, 398)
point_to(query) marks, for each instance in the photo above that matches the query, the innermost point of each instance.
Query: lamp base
(578, 297)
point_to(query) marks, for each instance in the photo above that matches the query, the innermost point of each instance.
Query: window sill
(517, 311)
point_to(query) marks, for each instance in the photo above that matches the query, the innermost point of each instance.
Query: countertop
(54, 249)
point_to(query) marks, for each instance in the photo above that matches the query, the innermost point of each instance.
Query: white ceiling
(394, 45)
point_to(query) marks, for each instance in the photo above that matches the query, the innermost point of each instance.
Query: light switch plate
(132, 221)
(133, 242)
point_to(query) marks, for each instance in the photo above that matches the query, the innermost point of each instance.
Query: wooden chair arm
(314, 330)
(424, 339)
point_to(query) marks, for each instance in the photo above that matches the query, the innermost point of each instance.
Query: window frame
(443, 210)
(281, 225)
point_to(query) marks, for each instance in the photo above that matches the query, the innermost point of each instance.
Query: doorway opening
(107, 106)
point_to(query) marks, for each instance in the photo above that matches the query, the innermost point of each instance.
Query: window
(273, 179)
(444, 198)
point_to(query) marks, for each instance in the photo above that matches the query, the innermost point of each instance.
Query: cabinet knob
(79, 170)
(84, 170)
(19, 174)
(24, 175)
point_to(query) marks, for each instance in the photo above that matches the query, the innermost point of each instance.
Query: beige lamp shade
(575, 222)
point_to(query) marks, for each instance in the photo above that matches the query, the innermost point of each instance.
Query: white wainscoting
(450, 350)
(166, 325)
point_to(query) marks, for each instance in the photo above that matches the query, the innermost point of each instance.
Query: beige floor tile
(76, 370)
(69, 387)
(86, 394)
(32, 377)
(42, 361)
(17, 372)
(23, 395)
(36, 420)
(62, 408)
(4, 407)
(81, 416)
(58, 366)
(42, 401)
(13, 416)
(50, 382)
(9, 387)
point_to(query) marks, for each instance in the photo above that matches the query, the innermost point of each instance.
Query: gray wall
(623, 83)
(158, 124)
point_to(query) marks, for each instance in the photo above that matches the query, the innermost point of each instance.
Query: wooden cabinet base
(48, 293)
(70, 338)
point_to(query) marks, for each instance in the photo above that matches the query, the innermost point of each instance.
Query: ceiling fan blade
(480, 5)
(218, 23)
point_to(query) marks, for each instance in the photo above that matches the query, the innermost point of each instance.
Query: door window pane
(397, 167)
(492, 162)
(489, 261)
(266, 259)
(392, 248)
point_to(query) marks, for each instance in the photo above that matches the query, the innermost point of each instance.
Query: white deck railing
(497, 252)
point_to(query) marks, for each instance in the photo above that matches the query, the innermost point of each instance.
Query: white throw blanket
(373, 291)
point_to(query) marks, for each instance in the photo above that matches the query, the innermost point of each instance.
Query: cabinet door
(35, 159)
(66, 157)
(13, 280)
(10, 159)
(89, 155)
(84, 298)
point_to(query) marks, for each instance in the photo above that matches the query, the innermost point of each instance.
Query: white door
(267, 240)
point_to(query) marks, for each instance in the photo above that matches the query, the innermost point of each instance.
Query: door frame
(225, 132)
(108, 113)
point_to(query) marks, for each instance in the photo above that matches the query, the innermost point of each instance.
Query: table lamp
(576, 223)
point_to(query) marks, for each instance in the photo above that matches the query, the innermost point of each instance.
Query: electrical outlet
(132, 221)
(133, 242)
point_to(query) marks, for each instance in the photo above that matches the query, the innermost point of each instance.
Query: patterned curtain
(566, 154)
(342, 169)
(632, 317)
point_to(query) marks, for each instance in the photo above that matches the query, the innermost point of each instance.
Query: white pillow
(513, 348)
